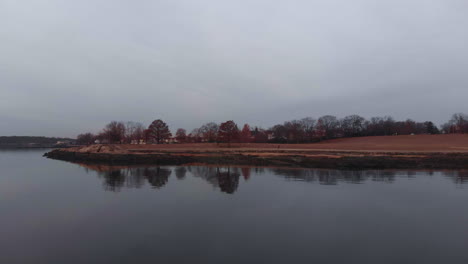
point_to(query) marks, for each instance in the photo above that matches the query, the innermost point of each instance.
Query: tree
(114, 132)
(389, 125)
(295, 132)
(459, 123)
(134, 131)
(228, 132)
(159, 131)
(181, 135)
(260, 136)
(195, 136)
(408, 127)
(445, 128)
(353, 125)
(381, 126)
(308, 125)
(146, 135)
(246, 135)
(85, 139)
(139, 133)
(209, 131)
(328, 125)
(280, 134)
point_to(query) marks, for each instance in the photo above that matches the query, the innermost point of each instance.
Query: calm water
(59, 212)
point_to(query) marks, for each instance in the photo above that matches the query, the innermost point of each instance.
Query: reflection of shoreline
(460, 177)
(227, 178)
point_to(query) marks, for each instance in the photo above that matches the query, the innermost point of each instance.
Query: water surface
(60, 212)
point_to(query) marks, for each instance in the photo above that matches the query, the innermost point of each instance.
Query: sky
(68, 67)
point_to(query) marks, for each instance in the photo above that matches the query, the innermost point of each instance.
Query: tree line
(305, 130)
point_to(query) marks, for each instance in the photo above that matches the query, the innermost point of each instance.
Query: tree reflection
(157, 177)
(208, 174)
(246, 173)
(333, 177)
(135, 178)
(459, 177)
(227, 178)
(180, 172)
(114, 178)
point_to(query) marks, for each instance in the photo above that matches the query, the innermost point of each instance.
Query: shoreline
(329, 159)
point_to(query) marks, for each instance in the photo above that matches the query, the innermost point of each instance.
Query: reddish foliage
(246, 135)
(228, 132)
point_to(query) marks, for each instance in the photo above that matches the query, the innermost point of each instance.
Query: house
(270, 135)
(171, 140)
(63, 143)
(138, 142)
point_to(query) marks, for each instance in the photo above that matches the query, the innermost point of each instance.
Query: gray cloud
(71, 66)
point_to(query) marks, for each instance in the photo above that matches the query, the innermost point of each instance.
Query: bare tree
(329, 125)
(280, 134)
(85, 139)
(114, 132)
(308, 125)
(159, 131)
(459, 123)
(353, 125)
(139, 132)
(381, 126)
(134, 132)
(181, 135)
(195, 136)
(209, 131)
(295, 131)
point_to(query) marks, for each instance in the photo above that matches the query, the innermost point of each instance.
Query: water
(58, 212)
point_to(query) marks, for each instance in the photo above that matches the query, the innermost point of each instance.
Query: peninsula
(377, 152)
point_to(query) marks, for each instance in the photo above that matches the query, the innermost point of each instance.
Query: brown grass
(417, 143)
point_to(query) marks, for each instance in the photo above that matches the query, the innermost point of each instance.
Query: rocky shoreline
(283, 158)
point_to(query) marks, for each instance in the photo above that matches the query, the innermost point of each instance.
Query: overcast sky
(68, 67)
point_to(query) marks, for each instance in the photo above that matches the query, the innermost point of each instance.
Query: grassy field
(416, 143)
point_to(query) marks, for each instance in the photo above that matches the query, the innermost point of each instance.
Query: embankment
(251, 156)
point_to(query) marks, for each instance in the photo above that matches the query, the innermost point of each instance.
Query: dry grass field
(416, 143)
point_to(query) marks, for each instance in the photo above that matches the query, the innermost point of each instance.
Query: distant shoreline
(24, 142)
(31, 147)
